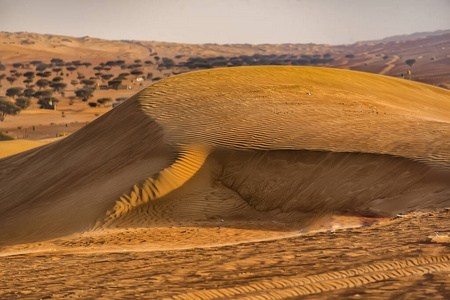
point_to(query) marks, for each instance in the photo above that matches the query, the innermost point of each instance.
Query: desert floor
(402, 258)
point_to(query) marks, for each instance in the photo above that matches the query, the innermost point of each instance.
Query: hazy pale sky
(227, 21)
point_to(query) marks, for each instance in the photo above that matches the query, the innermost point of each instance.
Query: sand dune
(278, 143)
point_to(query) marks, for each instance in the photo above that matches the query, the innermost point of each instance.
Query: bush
(92, 104)
(349, 56)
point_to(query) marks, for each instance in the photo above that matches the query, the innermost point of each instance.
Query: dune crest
(268, 143)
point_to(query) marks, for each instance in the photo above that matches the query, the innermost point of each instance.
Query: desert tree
(80, 76)
(42, 83)
(41, 67)
(71, 69)
(57, 61)
(84, 93)
(29, 74)
(23, 102)
(7, 108)
(18, 65)
(115, 83)
(36, 62)
(28, 82)
(11, 79)
(2, 76)
(103, 101)
(123, 76)
(56, 70)
(57, 79)
(28, 92)
(76, 63)
(58, 87)
(48, 102)
(42, 94)
(410, 62)
(74, 82)
(107, 76)
(43, 74)
(88, 83)
(14, 92)
(136, 73)
(2, 67)
(87, 64)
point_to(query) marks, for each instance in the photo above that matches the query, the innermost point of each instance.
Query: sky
(227, 21)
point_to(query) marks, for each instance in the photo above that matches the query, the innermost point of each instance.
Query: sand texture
(275, 149)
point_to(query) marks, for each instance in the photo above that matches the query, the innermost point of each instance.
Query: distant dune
(278, 143)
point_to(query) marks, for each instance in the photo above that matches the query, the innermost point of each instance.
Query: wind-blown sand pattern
(284, 142)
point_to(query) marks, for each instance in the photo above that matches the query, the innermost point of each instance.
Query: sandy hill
(249, 143)
(134, 65)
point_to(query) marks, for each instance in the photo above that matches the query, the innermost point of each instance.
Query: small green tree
(58, 87)
(57, 79)
(107, 76)
(7, 108)
(88, 83)
(42, 94)
(14, 92)
(28, 82)
(84, 93)
(28, 92)
(136, 73)
(42, 83)
(29, 74)
(11, 79)
(410, 62)
(23, 102)
(48, 102)
(71, 69)
(103, 101)
(115, 83)
(41, 67)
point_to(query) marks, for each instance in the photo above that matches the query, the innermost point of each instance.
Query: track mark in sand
(325, 282)
(189, 161)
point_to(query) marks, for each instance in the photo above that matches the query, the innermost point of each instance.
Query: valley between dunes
(272, 182)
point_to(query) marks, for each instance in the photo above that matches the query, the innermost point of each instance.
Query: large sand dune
(278, 143)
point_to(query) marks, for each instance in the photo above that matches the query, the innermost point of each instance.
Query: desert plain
(231, 172)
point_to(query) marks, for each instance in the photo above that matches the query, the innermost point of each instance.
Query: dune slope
(281, 143)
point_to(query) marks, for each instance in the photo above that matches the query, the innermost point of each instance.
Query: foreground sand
(404, 258)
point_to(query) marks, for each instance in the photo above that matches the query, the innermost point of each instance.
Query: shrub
(92, 104)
